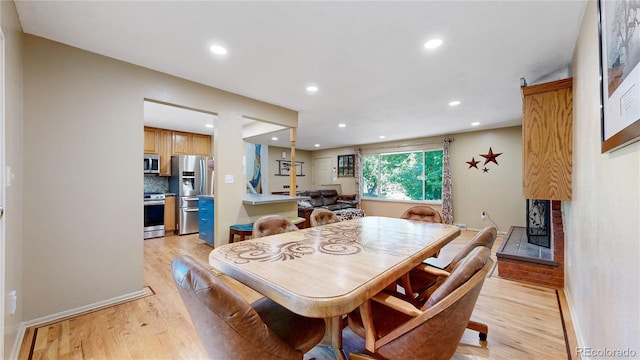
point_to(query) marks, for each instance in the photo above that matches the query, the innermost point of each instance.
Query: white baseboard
(574, 318)
(68, 313)
(15, 350)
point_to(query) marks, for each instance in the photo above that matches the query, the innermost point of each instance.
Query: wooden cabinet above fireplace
(547, 141)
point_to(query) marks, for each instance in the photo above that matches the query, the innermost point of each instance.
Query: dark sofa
(327, 199)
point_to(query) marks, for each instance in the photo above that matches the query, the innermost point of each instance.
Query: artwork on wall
(619, 73)
(346, 165)
(489, 157)
(255, 164)
(284, 168)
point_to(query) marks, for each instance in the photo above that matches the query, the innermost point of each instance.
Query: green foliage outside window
(403, 176)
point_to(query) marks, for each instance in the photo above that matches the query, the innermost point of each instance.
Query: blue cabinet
(205, 223)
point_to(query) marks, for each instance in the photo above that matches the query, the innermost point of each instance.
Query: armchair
(231, 328)
(426, 278)
(395, 329)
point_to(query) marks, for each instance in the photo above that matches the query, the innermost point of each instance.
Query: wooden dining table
(328, 271)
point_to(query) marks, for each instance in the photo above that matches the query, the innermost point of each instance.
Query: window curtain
(358, 174)
(447, 196)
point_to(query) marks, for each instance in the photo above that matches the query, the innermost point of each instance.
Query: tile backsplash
(153, 183)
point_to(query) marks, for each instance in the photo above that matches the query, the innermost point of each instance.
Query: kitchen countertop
(260, 199)
(206, 197)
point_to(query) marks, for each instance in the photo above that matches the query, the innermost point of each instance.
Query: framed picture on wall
(619, 74)
(284, 168)
(346, 165)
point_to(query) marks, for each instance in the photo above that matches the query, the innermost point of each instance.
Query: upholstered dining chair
(395, 329)
(322, 217)
(271, 225)
(231, 328)
(422, 213)
(426, 278)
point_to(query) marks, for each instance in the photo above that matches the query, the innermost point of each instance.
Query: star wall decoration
(485, 170)
(473, 163)
(490, 157)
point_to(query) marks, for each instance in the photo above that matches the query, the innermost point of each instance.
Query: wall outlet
(483, 215)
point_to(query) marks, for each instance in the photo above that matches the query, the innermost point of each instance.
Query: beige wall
(344, 185)
(13, 145)
(277, 183)
(498, 192)
(83, 119)
(602, 221)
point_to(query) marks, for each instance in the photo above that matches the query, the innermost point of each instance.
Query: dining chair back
(231, 328)
(271, 225)
(322, 217)
(422, 213)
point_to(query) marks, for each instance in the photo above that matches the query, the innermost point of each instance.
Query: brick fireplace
(518, 260)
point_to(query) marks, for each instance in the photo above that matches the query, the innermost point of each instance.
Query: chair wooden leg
(481, 328)
(231, 236)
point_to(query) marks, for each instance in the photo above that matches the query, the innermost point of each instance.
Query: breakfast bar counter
(262, 199)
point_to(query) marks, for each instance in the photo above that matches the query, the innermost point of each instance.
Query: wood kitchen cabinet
(201, 144)
(191, 144)
(150, 141)
(164, 147)
(547, 140)
(169, 214)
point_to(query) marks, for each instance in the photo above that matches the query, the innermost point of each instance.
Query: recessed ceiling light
(274, 138)
(475, 123)
(432, 44)
(342, 125)
(217, 49)
(209, 125)
(312, 88)
(454, 103)
(382, 136)
(317, 145)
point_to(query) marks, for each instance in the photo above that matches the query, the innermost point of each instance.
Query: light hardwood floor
(524, 320)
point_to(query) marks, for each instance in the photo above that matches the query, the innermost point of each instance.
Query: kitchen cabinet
(191, 144)
(547, 140)
(150, 141)
(169, 214)
(181, 143)
(205, 222)
(201, 144)
(164, 150)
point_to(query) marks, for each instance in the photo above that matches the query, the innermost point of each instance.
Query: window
(415, 175)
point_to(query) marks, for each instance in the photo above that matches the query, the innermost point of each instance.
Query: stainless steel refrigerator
(190, 177)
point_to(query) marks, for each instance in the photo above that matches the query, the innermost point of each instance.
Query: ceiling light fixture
(342, 125)
(209, 125)
(312, 88)
(454, 103)
(432, 44)
(382, 136)
(475, 123)
(217, 49)
(274, 138)
(317, 145)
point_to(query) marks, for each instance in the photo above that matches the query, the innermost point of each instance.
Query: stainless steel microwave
(151, 164)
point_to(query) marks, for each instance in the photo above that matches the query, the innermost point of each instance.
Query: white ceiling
(367, 58)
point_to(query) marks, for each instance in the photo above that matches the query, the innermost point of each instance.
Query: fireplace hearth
(521, 260)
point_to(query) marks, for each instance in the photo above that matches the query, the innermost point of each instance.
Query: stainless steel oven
(153, 215)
